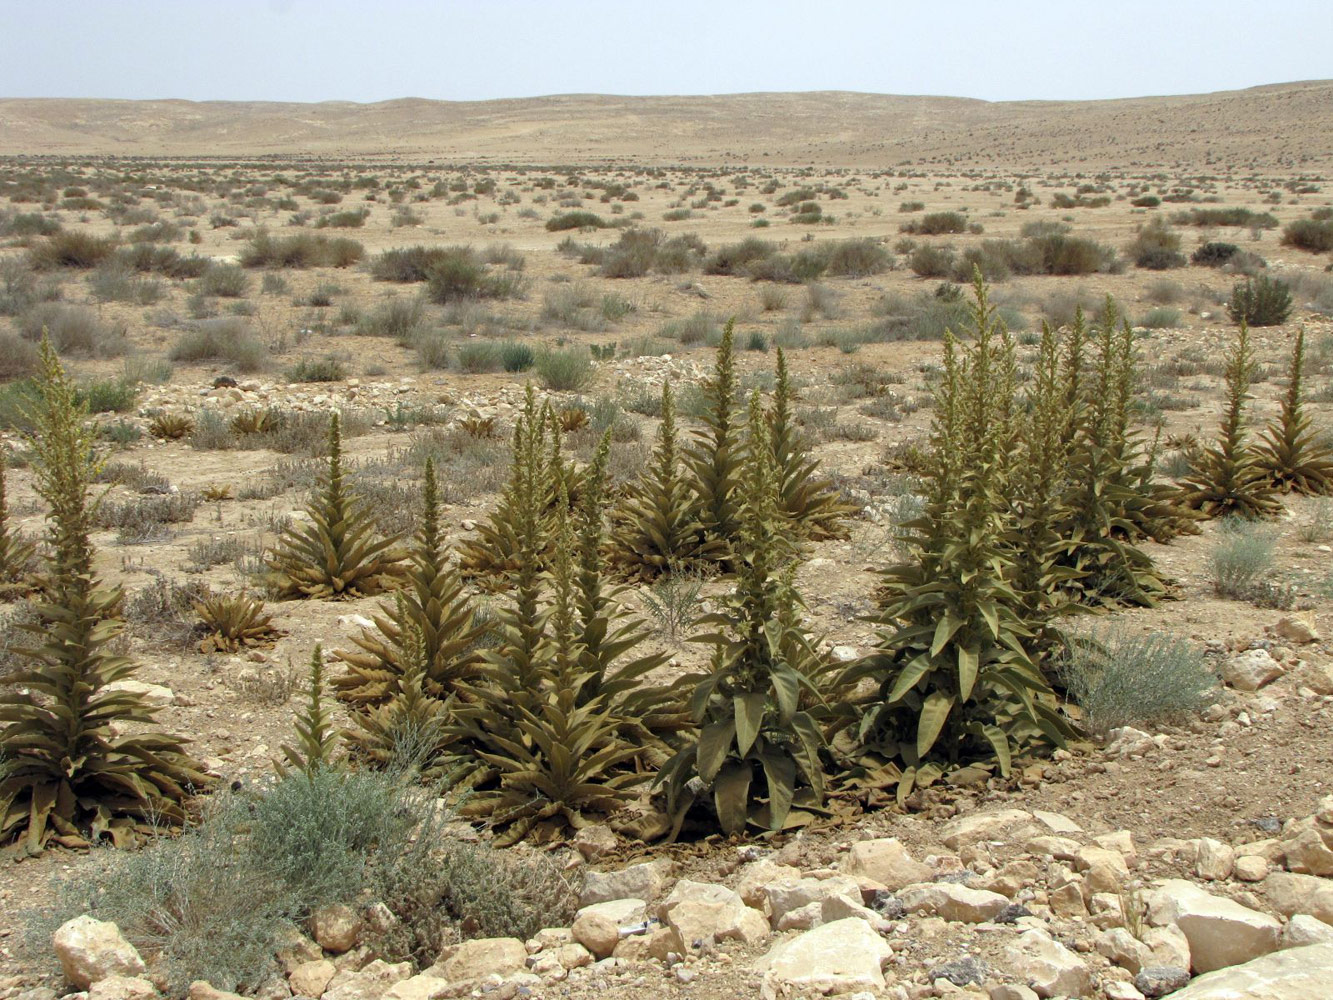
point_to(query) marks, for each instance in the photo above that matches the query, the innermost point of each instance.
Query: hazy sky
(364, 50)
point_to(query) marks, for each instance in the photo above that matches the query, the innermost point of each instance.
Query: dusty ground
(236, 709)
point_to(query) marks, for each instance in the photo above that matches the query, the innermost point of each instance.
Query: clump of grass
(74, 330)
(1161, 318)
(1120, 678)
(565, 369)
(226, 281)
(72, 248)
(302, 250)
(1241, 559)
(575, 220)
(228, 340)
(325, 369)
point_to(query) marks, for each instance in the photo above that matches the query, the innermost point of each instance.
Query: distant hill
(1283, 126)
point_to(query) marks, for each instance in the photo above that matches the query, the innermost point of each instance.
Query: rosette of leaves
(16, 555)
(408, 731)
(431, 604)
(717, 457)
(956, 680)
(70, 775)
(337, 554)
(556, 751)
(756, 757)
(233, 622)
(1227, 478)
(496, 554)
(810, 502)
(656, 526)
(316, 738)
(1288, 452)
(1109, 500)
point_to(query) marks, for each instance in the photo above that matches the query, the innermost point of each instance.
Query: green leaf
(749, 718)
(934, 713)
(731, 795)
(780, 773)
(1000, 743)
(714, 743)
(944, 631)
(968, 657)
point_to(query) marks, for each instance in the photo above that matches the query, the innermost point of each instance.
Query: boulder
(1302, 930)
(422, 987)
(1123, 949)
(838, 957)
(953, 902)
(1104, 870)
(1291, 894)
(1250, 868)
(788, 895)
(368, 983)
(755, 878)
(701, 913)
(201, 990)
(1294, 974)
(480, 958)
(1308, 846)
(1006, 825)
(90, 949)
(1220, 932)
(594, 841)
(152, 695)
(643, 881)
(887, 862)
(1298, 629)
(336, 928)
(310, 979)
(122, 988)
(1216, 860)
(597, 927)
(1251, 670)
(1047, 966)
(1161, 980)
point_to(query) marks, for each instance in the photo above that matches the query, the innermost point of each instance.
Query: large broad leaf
(780, 773)
(749, 708)
(1000, 743)
(714, 743)
(731, 795)
(968, 657)
(944, 631)
(934, 713)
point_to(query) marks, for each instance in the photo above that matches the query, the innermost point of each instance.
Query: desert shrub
(1146, 201)
(460, 274)
(1123, 679)
(565, 369)
(228, 340)
(856, 258)
(325, 369)
(1161, 318)
(735, 258)
(1210, 217)
(433, 348)
(1309, 234)
(922, 317)
(575, 220)
(147, 258)
(145, 519)
(516, 357)
(111, 281)
(1062, 254)
(1261, 301)
(928, 261)
(226, 281)
(21, 289)
(911, 206)
(1214, 254)
(107, 396)
(18, 356)
(343, 220)
(156, 232)
(643, 251)
(1156, 248)
(1241, 558)
(478, 356)
(401, 319)
(25, 224)
(302, 250)
(936, 223)
(73, 248)
(73, 330)
(700, 328)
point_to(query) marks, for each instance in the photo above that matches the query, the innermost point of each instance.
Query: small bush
(1146, 201)
(1261, 301)
(73, 330)
(226, 281)
(1156, 247)
(1161, 318)
(1241, 559)
(18, 357)
(565, 370)
(928, 261)
(1309, 234)
(107, 396)
(936, 223)
(73, 248)
(575, 220)
(1214, 254)
(1210, 217)
(401, 319)
(1123, 679)
(302, 250)
(228, 340)
(477, 357)
(516, 357)
(326, 369)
